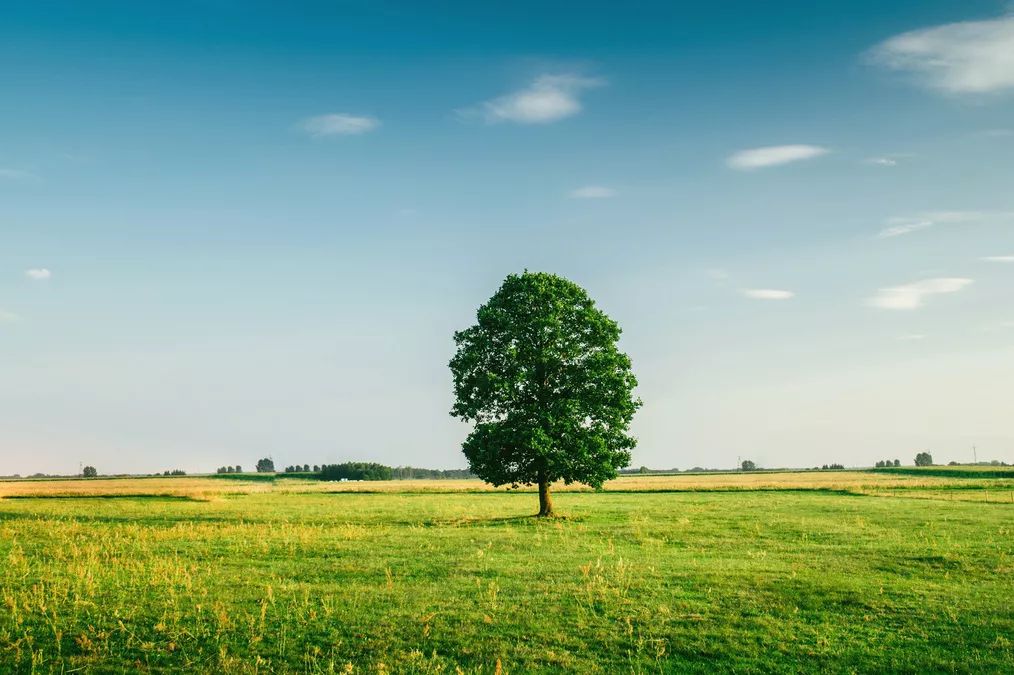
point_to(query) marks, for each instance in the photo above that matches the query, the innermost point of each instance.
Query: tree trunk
(545, 500)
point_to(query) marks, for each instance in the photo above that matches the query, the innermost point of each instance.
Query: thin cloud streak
(338, 124)
(17, 175)
(914, 295)
(593, 192)
(774, 155)
(768, 294)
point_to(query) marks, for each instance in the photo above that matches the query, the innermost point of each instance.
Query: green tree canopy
(924, 459)
(549, 392)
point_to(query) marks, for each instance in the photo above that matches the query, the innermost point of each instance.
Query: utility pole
(975, 456)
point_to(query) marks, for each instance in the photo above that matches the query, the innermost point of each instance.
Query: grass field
(835, 571)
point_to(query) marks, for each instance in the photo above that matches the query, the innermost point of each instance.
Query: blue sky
(236, 229)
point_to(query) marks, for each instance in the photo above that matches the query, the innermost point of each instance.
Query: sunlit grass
(731, 578)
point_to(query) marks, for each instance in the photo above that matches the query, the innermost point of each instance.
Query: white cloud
(970, 57)
(758, 158)
(882, 161)
(38, 274)
(547, 99)
(593, 192)
(338, 124)
(8, 317)
(998, 258)
(767, 294)
(913, 296)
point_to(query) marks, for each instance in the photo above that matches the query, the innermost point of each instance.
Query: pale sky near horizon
(230, 230)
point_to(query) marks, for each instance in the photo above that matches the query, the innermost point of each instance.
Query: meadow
(830, 571)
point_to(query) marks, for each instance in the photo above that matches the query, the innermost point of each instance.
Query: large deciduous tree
(549, 392)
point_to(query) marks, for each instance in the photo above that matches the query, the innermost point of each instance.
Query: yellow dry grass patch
(193, 488)
(206, 488)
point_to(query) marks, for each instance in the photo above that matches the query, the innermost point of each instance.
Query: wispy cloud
(913, 296)
(17, 174)
(882, 161)
(912, 337)
(593, 192)
(767, 294)
(8, 317)
(338, 124)
(38, 274)
(548, 98)
(998, 258)
(899, 225)
(774, 155)
(994, 133)
(969, 57)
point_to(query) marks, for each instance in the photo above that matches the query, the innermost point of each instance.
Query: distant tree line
(174, 472)
(642, 470)
(355, 471)
(832, 467)
(885, 463)
(409, 472)
(352, 471)
(374, 471)
(304, 468)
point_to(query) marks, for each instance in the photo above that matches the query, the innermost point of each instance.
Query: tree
(924, 459)
(89, 472)
(265, 466)
(549, 392)
(748, 465)
(239, 469)
(356, 471)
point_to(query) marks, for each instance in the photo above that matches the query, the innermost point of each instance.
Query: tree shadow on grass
(532, 519)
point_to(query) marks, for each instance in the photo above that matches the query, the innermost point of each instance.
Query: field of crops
(835, 571)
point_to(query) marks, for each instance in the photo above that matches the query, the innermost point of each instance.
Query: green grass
(746, 581)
